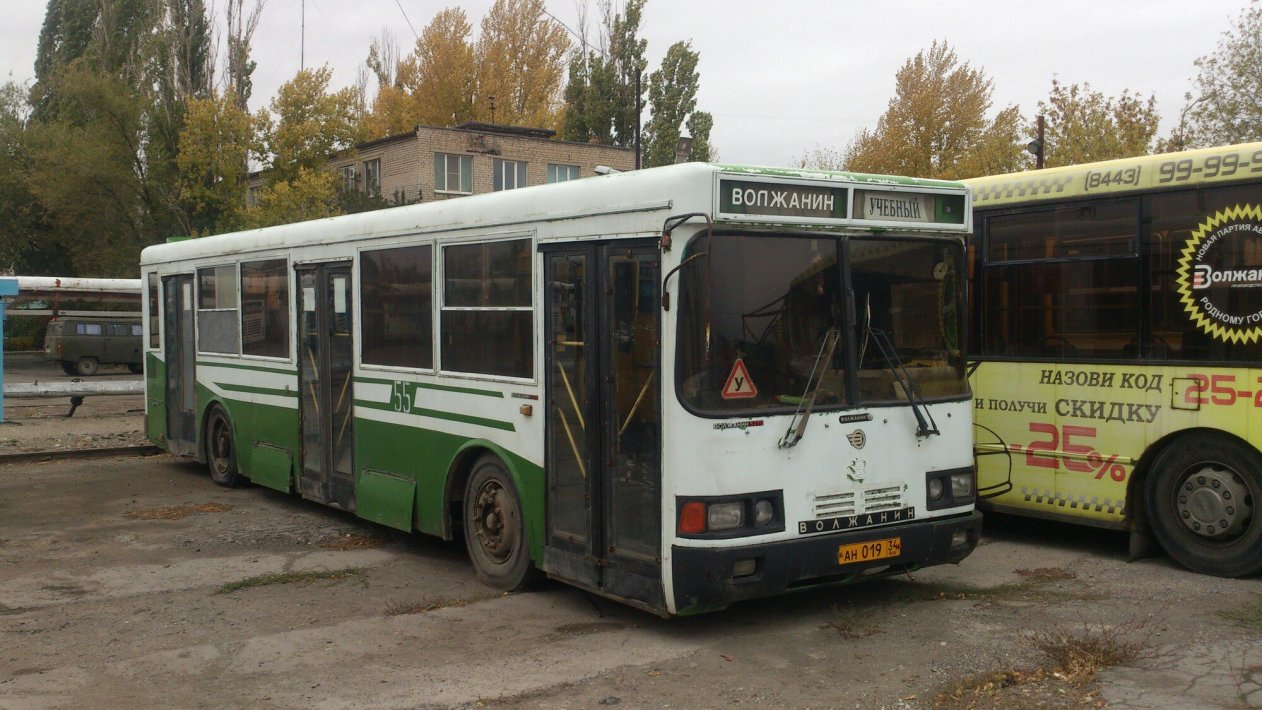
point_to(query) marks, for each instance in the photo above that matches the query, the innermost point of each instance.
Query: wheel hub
(495, 535)
(1214, 502)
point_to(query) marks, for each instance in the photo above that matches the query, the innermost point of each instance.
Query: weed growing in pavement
(402, 608)
(176, 512)
(1066, 678)
(263, 580)
(353, 541)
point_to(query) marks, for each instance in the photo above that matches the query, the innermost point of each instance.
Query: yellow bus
(1116, 312)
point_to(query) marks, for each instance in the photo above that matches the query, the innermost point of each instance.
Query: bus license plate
(871, 550)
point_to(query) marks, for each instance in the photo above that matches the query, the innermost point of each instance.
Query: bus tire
(1203, 497)
(494, 527)
(221, 449)
(87, 366)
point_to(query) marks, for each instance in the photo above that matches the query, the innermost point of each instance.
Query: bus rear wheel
(1203, 498)
(87, 366)
(221, 451)
(494, 528)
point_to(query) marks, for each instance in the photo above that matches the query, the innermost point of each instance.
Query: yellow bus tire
(1203, 500)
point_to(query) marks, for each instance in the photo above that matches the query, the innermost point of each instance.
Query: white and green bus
(679, 387)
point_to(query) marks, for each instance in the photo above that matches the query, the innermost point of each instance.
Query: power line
(405, 19)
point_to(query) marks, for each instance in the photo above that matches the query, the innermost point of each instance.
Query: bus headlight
(764, 513)
(935, 489)
(950, 489)
(962, 485)
(725, 516)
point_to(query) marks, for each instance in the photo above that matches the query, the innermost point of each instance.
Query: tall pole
(302, 40)
(1038, 156)
(637, 118)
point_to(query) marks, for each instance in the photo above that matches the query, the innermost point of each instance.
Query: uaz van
(83, 343)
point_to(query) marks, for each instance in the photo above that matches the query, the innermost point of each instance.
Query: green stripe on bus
(436, 414)
(255, 390)
(427, 386)
(254, 368)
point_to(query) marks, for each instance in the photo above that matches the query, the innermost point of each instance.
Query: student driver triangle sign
(739, 386)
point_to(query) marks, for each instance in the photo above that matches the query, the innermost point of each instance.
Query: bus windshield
(756, 309)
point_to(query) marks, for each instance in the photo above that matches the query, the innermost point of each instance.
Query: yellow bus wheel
(1203, 497)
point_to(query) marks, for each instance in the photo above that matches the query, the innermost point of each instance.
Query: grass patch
(1067, 677)
(264, 580)
(1249, 615)
(176, 512)
(402, 608)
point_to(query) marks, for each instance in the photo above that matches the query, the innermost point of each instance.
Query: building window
(349, 181)
(562, 173)
(487, 315)
(217, 322)
(509, 174)
(453, 173)
(252, 195)
(265, 308)
(396, 290)
(372, 177)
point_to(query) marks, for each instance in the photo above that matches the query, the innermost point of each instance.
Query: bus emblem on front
(857, 438)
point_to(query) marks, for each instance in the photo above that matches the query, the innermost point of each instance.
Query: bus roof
(654, 194)
(1145, 172)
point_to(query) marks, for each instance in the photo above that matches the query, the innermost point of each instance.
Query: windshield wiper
(925, 425)
(797, 427)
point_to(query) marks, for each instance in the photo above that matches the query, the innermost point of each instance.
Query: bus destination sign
(893, 206)
(772, 199)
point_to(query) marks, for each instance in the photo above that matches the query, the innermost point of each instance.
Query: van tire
(135, 368)
(87, 366)
(69, 368)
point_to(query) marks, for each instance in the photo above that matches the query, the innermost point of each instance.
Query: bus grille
(875, 500)
(832, 505)
(886, 498)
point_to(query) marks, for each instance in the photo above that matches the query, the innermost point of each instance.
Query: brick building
(439, 163)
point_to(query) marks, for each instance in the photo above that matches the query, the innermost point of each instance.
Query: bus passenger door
(602, 312)
(326, 391)
(180, 351)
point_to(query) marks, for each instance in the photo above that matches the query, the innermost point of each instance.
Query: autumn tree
(218, 141)
(672, 98)
(311, 123)
(936, 124)
(699, 125)
(309, 194)
(521, 63)
(440, 75)
(1226, 106)
(1084, 125)
(601, 94)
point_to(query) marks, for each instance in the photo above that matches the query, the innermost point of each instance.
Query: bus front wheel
(221, 452)
(494, 528)
(1203, 500)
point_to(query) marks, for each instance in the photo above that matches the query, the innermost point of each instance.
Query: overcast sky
(784, 76)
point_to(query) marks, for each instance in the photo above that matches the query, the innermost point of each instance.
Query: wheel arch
(458, 472)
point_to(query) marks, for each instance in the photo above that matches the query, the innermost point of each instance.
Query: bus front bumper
(704, 581)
